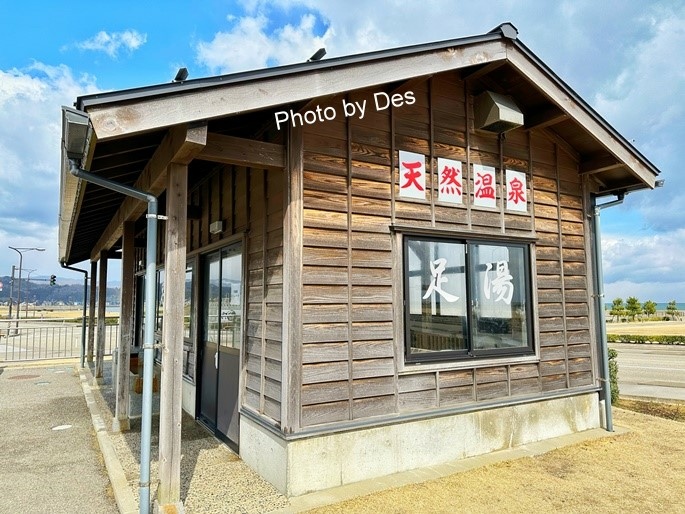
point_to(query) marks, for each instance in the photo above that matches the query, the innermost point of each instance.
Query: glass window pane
(499, 295)
(212, 297)
(159, 303)
(188, 303)
(231, 294)
(436, 296)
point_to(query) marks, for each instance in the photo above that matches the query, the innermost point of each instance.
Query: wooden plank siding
(250, 201)
(351, 200)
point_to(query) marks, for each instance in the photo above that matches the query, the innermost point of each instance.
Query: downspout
(599, 288)
(149, 341)
(85, 301)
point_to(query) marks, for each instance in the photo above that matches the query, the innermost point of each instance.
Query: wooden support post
(126, 328)
(170, 409)
(102, 304)
(91, 311)
(291, 377)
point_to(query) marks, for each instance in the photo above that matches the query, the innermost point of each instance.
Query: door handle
(216, 360)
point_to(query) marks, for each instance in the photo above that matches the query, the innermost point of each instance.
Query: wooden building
(386, 259)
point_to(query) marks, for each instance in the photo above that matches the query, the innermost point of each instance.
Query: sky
(623, 57)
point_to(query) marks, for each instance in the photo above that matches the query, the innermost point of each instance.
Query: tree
(633, 307)
(617, 308)
(649, 307)
(672, 310)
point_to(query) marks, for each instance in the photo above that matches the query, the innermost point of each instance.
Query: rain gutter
(149, 342)
(601, 316)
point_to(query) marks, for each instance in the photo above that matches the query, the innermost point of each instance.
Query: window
(466, 299)
(223, 298)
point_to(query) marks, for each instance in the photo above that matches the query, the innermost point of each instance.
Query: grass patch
(672, 411)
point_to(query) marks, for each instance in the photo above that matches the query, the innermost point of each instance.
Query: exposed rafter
(599, 164)
(180, 145)
(544, 118)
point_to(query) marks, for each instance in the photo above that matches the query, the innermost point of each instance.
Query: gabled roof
(128, 125)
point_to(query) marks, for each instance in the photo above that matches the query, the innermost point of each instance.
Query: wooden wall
(249, 201)
(352, 352)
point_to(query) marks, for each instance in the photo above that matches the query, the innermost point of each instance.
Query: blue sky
(623, 57)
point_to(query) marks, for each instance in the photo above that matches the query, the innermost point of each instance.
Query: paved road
(51, 462)
(653, 371)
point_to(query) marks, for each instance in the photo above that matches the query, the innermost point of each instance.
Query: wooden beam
(149, 113)
(102, 304)
(291, 364)
(180, 145)
(126, 328)
(92, 295)
(599, 164)
(544, 118)
(243, 152)
(170, 408)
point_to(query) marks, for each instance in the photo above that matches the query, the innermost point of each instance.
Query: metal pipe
(599, 288)
(83, 320)
(149, 335)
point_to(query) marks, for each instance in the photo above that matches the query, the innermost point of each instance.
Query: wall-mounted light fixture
(217, 227)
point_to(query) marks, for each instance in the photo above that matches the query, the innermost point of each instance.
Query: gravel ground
(641, 471)
(213, 478)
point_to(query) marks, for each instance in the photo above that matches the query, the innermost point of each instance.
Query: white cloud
(30, 134)
(112, 43)
(645, 259)
(247, 45)
(643, 101)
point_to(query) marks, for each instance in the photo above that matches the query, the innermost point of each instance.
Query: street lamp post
(28, 285)
(21, 258)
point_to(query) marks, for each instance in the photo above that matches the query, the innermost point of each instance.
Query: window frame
(470, 353)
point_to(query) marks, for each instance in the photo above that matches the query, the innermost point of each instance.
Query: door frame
(200, 270)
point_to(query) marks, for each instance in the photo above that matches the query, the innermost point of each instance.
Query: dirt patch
(648, 328)
(640, 471)
(676, 412)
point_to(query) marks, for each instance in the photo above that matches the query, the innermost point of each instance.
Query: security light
(181, 75)
(318, 55)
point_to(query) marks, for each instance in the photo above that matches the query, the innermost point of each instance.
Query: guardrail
(28, 340)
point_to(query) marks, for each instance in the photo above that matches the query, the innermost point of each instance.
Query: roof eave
(527, 63)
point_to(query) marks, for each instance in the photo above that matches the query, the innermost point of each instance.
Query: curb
(123, 495)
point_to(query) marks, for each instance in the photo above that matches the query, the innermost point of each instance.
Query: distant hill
(68, 291)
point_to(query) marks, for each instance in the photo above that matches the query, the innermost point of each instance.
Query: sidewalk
(51, 462)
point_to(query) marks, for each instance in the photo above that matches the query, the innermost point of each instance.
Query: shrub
(628, 338)
(613, 375)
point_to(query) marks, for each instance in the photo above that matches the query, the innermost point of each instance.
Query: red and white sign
(517, 196)
(484, 186)
(450, 183)
(412, 175)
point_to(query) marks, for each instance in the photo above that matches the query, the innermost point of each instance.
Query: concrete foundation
(300, 466)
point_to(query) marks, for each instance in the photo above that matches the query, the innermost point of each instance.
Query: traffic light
(53, 279)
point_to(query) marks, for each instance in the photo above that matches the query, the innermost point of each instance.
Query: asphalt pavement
(651, 371)
(51, 462)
